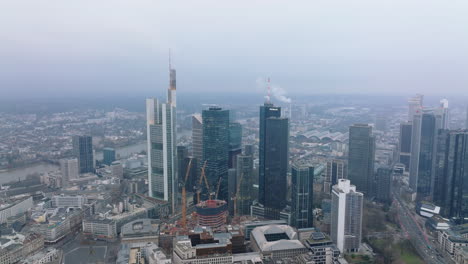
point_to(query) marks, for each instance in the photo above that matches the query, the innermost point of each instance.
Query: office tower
(232, 188)
(266, 111)
(414, 104)
(346, 216)
(336, 169)
(452, 187)
(273, 185)
(302, 202)
(69, 169)
(384, 185)
(404, 144)
(235, 143)
(466, 121)
(245, 181)
(197, 137)
(361, 157)
(216, 149)
(430, 124)
(109, 156)
(161, 140)
(415, 146)
(83, 150)
(444, 113)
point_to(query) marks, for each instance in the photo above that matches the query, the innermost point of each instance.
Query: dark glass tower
(404, 146)
(83, 150)
(216, 149)
(384, 185)
(245, 181)
(235, 143)
(274, 188)
(266, 111)
(109, 156)
(302, 201)
(430, 124)
(361, 158)
(452, 194)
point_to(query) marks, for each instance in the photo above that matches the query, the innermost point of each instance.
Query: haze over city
(245, 132)
(58, 48)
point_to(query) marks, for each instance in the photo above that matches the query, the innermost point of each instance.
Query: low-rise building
(66, 201)
(461, 255)
(276, 242)
(13, 208)
(450, 239)
(140, 230)
(103, 229)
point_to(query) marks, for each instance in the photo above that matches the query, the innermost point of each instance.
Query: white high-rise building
(444, 112)
(346, 216)
(161, 140)
(69, 169)
(414, 105)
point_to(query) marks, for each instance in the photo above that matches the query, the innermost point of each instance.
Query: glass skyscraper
(109, 156)
(266, 111)
(161, 140)
(302, 202)
(404, 146)
(361, 157)
(83, 150)
(216, 149)
(451, 191)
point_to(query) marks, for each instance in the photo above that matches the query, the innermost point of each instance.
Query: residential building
(346, 216)
(69, 169)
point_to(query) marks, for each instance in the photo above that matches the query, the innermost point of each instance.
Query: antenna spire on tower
(170, 66)
(269, 91)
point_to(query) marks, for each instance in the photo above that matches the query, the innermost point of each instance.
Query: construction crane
(202, 176)
(237, 193)
(217, 188)
(184, 195)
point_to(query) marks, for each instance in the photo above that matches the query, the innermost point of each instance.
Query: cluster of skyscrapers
(436, 158)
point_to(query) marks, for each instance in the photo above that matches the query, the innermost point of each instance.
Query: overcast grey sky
(314, 46)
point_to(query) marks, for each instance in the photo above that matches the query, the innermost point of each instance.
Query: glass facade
(302, 202)
(216, 149)
(83, 150)
(361, 157)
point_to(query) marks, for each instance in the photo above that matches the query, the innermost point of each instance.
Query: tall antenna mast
(269, 90)
(170, 67)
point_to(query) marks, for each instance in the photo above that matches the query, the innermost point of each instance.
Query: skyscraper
(266, 111)
(430, 124)
(216, 149)
(414, 104)
(336, 169)
(404, 144)
(273, 183)
(302, 202)
(415, 146)
(69, 170)
(161, 140)
(384, 185)
(452, 188)
(245, 181)
(197, 137)
(361, 157)
(109, 156)
(235, 143)
(83, 150)
(346, 216)
(466, 121)
(445, 114)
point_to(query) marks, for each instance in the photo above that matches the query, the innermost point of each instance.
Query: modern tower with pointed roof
(161, 140)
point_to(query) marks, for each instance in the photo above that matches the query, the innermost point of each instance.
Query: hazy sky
(57, 47)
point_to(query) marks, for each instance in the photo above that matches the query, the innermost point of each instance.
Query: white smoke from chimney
(276, 91)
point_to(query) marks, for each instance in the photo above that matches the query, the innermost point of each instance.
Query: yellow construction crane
(217, 188)
(184, 195)
(202, 176)
(237, 193)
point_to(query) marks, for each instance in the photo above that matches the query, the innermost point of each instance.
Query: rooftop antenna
(170, 66)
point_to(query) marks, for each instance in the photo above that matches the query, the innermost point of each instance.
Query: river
(21, 173)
